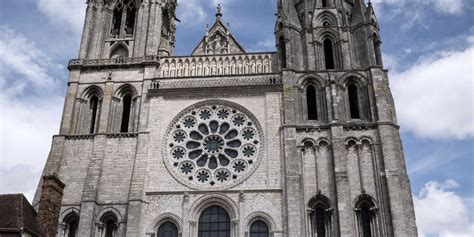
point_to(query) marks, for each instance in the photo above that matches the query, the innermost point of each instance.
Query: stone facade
(299, 142)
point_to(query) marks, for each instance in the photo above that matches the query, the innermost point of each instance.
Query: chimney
(49, 205)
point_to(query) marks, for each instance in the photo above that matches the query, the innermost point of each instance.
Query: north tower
(299, 142)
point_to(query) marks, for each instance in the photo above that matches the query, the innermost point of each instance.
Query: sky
(428, 47)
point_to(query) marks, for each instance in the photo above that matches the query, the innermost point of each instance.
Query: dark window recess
(320, 221)
(168, 229)
(94, 106)
(72, 228)
(325, 3)
(328, 54)
(282, 52)
(130, 22)
(259, 229)
(127, 104)
(365, 222)
(353, 101)
(116, 21)
(166, 23)
(109, 228)
(214, 222)
(311, 103)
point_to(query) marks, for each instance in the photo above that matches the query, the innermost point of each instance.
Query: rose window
(213, 146)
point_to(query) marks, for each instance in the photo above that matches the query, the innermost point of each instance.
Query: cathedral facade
(300, 142)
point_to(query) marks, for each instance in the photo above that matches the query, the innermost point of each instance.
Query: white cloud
(416, 12)
(30, 109)
(434, 97)
(68, 13)
(452, 7)
(20, 56)
(442, 212)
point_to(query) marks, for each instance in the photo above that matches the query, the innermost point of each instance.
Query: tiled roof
(16, 214)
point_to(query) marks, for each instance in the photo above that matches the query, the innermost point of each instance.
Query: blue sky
(428, 45)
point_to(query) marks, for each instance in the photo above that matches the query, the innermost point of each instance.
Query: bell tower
(324, 30)
(345, 173)
(128, 29)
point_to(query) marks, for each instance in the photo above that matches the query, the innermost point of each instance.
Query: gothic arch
(125, 89)
(123, 110)
(325, 16)
(260, 216)
(119, 50)
(91, 91)
(108, 210)
(154, 225)
(214, 200)
(356, 77)
(312, 98)
(310, 79)
(320, 216)
(366, 215)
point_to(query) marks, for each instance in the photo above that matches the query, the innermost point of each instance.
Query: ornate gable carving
(218, 40)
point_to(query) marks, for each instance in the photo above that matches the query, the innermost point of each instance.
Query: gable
(217, 41)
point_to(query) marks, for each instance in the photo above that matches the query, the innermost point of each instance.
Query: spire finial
(219, 11)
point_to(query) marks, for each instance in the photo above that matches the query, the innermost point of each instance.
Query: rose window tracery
(211, 146)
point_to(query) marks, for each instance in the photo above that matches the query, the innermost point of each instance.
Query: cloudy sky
(428, 47)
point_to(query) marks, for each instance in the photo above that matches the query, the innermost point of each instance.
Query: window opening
(259, 229)
(94, 105)
(282, 52)
(353, 101)
(328, 54)
(365, 221)
(109, 228)
(311, 103)
(126, 105)
(123, 19)
(168, 229)
(214, 222)
(324, 3)
(320, 220)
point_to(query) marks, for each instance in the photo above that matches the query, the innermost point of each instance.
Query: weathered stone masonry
(299, 142)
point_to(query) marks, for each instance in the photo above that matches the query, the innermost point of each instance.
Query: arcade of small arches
(217, 219)
(314, 98)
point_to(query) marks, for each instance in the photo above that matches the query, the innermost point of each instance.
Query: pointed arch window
(366, 213)
(123, 19)
(320, 216)
(354, 103)
(259, 229)
(168, 229)
(71, 224)
(311, 102)
(377, 51)
(109, 225)
(282, 44)
(328, 54)
(215, 222)
(93, 108)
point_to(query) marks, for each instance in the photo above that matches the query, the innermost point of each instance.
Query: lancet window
(366, 214)
(328, 53)
(320, 216)
(123, 19)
